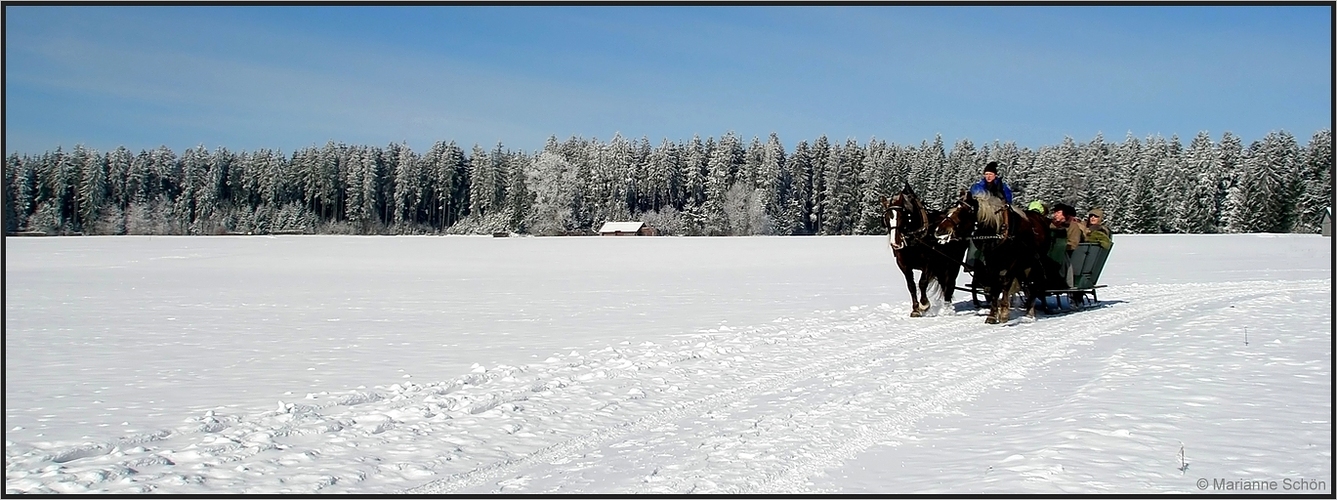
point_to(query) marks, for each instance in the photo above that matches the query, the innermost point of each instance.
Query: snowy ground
(651, 365)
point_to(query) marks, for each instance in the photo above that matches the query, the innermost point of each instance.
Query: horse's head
(902, 214)
(894, 217)
(959, 221)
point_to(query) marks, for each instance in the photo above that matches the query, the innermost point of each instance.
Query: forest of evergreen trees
(724, 186)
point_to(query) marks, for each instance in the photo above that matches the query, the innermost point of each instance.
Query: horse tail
(936, 288)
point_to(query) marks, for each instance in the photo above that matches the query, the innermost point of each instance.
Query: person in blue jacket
(992, 184)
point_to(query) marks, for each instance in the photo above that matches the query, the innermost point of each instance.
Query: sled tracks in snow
(997, 352)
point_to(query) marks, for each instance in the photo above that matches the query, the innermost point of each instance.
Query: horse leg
(1031, 294)
(995, 298)
(910, 284)
(925, 277)
(1005, 302)
(1008, 288)
(948, 283)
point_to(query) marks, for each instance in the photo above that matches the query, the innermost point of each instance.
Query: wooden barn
(627, 229)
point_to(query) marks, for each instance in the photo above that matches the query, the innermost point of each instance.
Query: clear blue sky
(286, 77)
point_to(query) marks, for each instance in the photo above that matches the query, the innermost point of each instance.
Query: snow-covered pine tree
(92, 190)
(694, 168)
(1283, 167)
(305, 176)
(770, 181)
(387, 161)
(1201, 171)
(1144, 208)
(963, 168)
(166, 172)
(215, 188)
(876, 178)
(552, 181)
(1017, 166)
(1230, 151)
(458, 183)
(118, 173)
(482, 182)
(1127, 159)
(721, 172)
(518, 198)
(798, 200)
(1172, 185)
(821, 154)
(1264, 198)
(581, 153)
(13, 166)
(411, 189)
(370, 178)
(65, 186)
(838, 209)
(1010, 168)
(749, 168)
(1316, 177)
(663, 180)
(438, 177)
(237, 178)
(605, 181)
(639, 195)
(325, 183)
(1247, 197)
(1097, 170)
(1046, 175)
(1067, 175)
(194, 171)
(355, 200)
(929, 167)
(262, 181)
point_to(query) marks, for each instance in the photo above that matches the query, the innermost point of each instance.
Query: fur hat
(991, 167)
(1097, 212)
(1066, 209)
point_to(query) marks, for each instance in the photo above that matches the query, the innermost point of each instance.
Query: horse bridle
(894, 229)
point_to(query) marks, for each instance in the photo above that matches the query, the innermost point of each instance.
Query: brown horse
(909, 226)
(1010, 243)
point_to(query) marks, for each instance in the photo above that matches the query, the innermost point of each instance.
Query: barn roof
(622, 227)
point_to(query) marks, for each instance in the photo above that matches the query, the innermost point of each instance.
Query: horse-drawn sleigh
(1003, 249)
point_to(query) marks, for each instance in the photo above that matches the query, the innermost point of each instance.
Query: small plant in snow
(1183, 461)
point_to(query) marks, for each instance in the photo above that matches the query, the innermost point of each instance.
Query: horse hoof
(916, 314)
(991, 320)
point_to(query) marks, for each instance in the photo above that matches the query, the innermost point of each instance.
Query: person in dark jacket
(1065, 220)
(992, 184)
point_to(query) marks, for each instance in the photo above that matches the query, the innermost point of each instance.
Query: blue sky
(256, 77)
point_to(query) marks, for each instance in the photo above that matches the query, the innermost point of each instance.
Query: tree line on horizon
(723, 186)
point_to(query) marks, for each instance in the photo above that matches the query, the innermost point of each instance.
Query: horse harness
(923, 215)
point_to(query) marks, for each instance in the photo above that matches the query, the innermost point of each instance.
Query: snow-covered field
(652, 365)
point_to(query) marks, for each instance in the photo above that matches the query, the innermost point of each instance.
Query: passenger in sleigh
(1065, 227)
(1097, 232)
